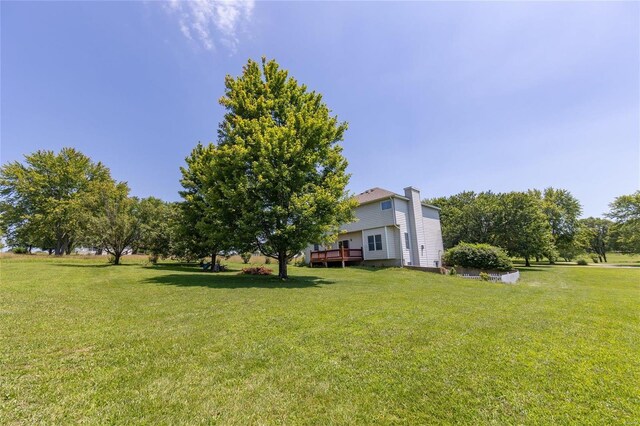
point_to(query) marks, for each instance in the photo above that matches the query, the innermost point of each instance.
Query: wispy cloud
(212, 21)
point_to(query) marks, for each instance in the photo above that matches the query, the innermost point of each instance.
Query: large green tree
(594, 236)
(279, 177)
(521, 227)
(114, 223)
(157, 220)
(625, 211)
(43, 199)
(200, 231)
(562, 210)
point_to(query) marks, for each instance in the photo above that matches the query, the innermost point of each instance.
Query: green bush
(582, 261)
(453, 271)
(484, 276)
(480, 256)
(267, 260)
(19, 250)
(246, 257)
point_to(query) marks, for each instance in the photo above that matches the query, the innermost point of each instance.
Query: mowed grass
(83, 342)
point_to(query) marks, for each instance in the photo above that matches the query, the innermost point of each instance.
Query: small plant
(153, 258)
(453, 272)
(257, 270)
(594, 258)
(267, 260)
(111, 259)
(484, 276)
(300, 261)
(19, 250)
(582, 261)
(246, 257)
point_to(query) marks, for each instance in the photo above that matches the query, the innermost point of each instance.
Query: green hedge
(481, 256)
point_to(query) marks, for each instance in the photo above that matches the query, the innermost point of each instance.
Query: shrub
(257, 270)
(246, 257)
(300, 261)
(484, 276)
(453, 271)
(153, 258)
(480, 256)
(267, 260)
(582, 261)
(19, 250)
(594, 258)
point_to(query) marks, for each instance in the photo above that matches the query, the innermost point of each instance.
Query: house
(390, 230)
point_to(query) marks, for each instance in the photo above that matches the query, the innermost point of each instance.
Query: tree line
(275, 181)
(539, 224)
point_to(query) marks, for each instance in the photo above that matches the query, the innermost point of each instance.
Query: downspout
(395, 223)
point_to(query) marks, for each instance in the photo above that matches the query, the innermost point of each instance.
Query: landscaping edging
(510, 277)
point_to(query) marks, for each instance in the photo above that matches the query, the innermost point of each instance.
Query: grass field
(83, 342)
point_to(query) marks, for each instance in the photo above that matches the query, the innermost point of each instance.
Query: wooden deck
(341, 255)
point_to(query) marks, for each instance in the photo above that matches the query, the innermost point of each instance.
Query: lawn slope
(86, 342)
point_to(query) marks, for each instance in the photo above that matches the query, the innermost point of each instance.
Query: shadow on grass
(99, 265)
(526, 269)
(192, 277)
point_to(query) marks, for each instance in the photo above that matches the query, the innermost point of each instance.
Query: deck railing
(336, 255)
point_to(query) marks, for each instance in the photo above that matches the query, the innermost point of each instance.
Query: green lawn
(84, 342)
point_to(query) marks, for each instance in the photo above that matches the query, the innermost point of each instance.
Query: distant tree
(467, 216)
(521, 227)
(279, 177)
(625, 211)
(114, 225)
(562, 211)
(594, 236)
(42, 200)
(157, 221)
(200, 231)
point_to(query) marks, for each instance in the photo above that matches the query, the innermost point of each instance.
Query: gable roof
(375, 194)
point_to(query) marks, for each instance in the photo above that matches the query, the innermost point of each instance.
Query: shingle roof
(375, 194)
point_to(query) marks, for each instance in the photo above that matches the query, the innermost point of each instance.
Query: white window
(385, 205)
(375, 242)
(316, 247)
(406, 240)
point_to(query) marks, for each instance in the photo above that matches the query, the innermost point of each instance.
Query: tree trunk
(604, 255)
(213, 262)
(537, 259)
(526, 261)
(282, 266)
(116, 258)
(50, 251)
(59, 249)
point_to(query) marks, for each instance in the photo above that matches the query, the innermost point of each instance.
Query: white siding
(370, 216)
(388, 247)
(418, 246)
(402, 220)
(432, 236)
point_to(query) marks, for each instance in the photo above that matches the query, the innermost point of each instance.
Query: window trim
(374, 242)
(382, 204)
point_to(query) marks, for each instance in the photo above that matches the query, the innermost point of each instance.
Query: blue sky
(445, 96)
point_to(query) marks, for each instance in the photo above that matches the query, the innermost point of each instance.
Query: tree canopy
(625, 211)
(278, 179)
(43, 200)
